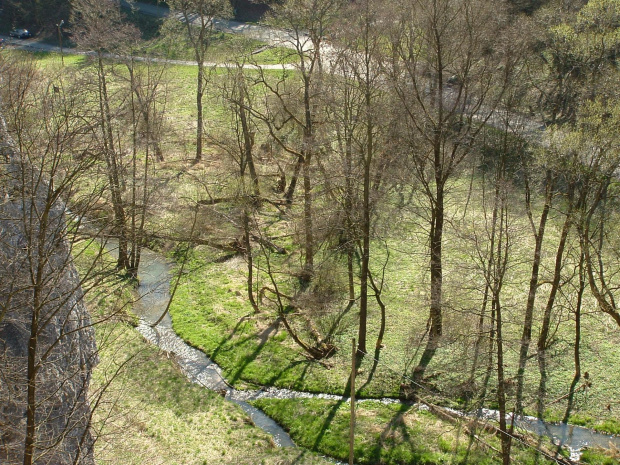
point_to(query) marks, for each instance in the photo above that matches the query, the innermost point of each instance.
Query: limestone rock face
(41, 306)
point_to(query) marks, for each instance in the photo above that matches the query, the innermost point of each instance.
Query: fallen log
(473, 425)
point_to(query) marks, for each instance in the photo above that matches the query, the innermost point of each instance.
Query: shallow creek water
(154, 291)
(574, 438)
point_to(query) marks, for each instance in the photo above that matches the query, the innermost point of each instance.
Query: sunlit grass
(385, 434)
(146, 411)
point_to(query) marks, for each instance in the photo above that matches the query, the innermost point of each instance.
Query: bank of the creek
(154, 291)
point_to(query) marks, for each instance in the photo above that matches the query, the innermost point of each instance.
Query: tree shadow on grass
(396, 424)
(293, 364)
(372, 371)
(331, 332)
(331, 414)
(304, 371)
(223, 342)
(263, 337)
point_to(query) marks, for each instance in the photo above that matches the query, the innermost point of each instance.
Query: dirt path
(34, 45)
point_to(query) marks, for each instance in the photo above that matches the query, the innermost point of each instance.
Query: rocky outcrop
(45, 330)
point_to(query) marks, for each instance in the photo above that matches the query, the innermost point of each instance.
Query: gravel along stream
(154, 293)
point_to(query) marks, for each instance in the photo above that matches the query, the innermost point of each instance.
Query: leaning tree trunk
(249, 258)
(248, 141)
(577, 348)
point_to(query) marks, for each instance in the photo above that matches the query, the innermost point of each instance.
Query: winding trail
(33, 45)
(273, 37)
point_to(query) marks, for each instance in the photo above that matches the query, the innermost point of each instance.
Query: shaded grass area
(153, 414)
(255, 348)
(385, 434)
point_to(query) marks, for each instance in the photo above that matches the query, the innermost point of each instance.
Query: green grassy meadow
(384, 434)
(176, 422)
(211, 312)
(145, 409)
(254, 348)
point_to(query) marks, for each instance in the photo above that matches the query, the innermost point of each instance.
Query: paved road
(271, 36)
(526, 125)
(37, 46)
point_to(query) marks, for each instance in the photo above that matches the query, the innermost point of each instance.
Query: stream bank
(154, 291)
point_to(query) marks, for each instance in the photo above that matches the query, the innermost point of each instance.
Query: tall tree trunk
(145, 181)
(308, 150)
(31, 399)
(308, 270)
(539, 235)
(113, 168)
(498, 280)
(199, 116)
(349, 233)
(501, 389)
(367, 159)
(134, 254)
(555, 285)
(436, 323)
(37, 265)
(488, 266)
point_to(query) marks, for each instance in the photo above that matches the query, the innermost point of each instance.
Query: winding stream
(575, 438)
(154, 291)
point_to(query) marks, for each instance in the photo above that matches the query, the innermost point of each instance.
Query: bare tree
(99, 26)
(295, 104)
(442, 77)
(580, 48)
(358, 96)
(600, 162)
(48, 347)
(147, 98)
(241, 102)
(198, 17)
